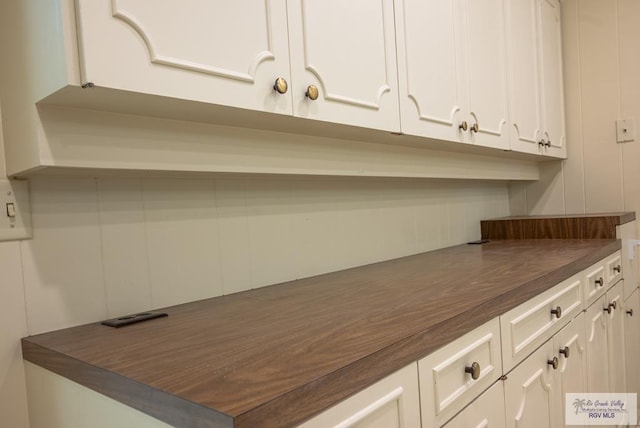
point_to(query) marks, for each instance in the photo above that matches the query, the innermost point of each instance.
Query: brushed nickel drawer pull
(599, 282)
(557, 312)
(565, 351)
(553, 363)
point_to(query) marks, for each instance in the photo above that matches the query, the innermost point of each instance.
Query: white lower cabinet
(530, 389)
(569, 345)
(393, 402)
(616, 339)
(605, 334)
(485, 412)
(632, 342)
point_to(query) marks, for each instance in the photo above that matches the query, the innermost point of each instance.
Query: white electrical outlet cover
(625, 130)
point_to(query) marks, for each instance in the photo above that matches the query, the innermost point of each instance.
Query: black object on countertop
(132, 319)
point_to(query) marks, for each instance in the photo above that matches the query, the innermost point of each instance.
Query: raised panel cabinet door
(596, 346)
(551, 72)
(569, 346)
(214, 52)
(486, 72)
(616, 338)
(632, 342)
(343, 62)
(529, 394)
(487, 411)
(523, 76)
(393, 402)
(430, 69)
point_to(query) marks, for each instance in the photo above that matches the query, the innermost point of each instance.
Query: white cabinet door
(486, 72)
(597, 355)
(616, 338)
(551, 72)
(487, 411)
(346, 51)
(393, 402)
(524, 85)
(529, 394)
(536, 98)
(632, 342)
(213, 52)
(569, 346)
(430, 70)
(451, 65)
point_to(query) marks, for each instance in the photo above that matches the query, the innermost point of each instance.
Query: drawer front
(595, 280)
(601, 276)
(447, 381)
(613, 269)
(529, 325)
(392, 402)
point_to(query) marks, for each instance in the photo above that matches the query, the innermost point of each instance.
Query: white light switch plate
(14, 193)
(625, 130)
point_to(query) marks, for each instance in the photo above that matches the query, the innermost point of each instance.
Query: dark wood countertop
(276, 356)
(572, 226)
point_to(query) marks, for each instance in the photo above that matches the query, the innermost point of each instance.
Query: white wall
(104, 247)
(602, 83)
(13, 319)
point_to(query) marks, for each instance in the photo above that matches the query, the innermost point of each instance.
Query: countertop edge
(166, 407)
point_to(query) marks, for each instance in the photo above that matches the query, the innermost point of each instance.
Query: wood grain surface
(275, 356)
(584, 226)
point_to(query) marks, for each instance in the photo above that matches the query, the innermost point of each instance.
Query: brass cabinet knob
(463, 125)
(541, 143)
(557, 312)
(473, 370)
(474, 127)
(281, 85)
(599, 282)
(630, 312)
(565, 351)
(617, 268)
(553, 363)
(312, 92)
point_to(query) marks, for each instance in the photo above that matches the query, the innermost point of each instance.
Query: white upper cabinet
(343, 62)
(213, 52)
(452, 73)
(334, 61)
(552, 85)
(536, 96)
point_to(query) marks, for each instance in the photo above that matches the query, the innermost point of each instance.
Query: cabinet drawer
(529, 325)
(392, 402)
(601, 276)
(446, 384)
(613, 269)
